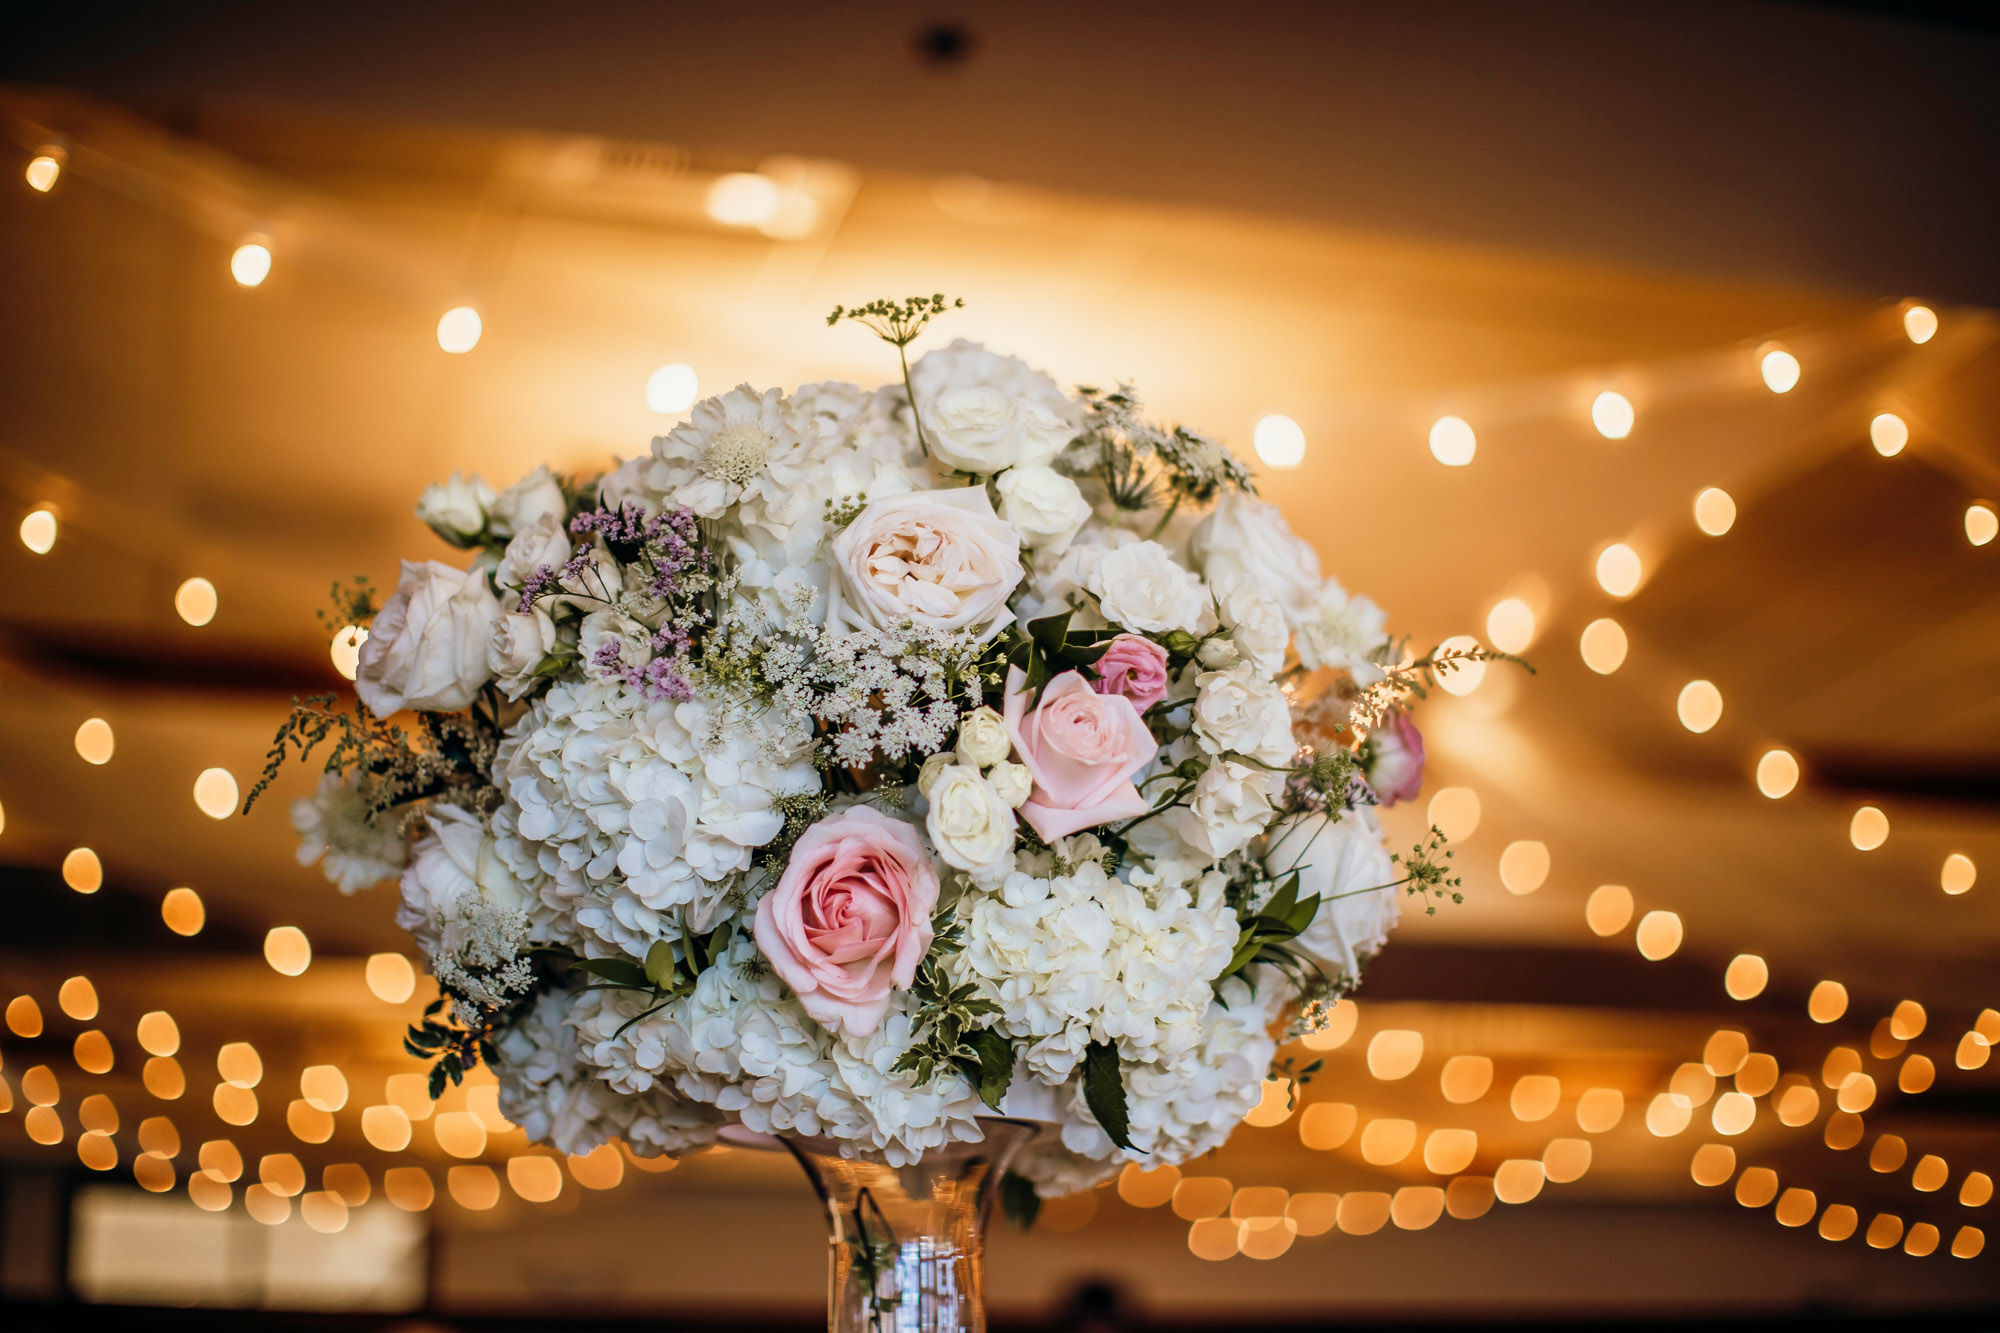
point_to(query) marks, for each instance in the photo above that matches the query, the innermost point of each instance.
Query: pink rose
(1396, 770)
(1082, 749)
(1135, 667)
(850, 919)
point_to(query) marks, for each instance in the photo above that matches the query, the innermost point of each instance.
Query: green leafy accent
(668, 974)
(898, 323)
(1264, 935)
(1019, 1202)
(1104, 1091)
(949, 1031)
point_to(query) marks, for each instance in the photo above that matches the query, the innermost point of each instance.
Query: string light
(1780, 370)
(38, 531)
(1612, 414)
(1777, 773)
(1609, 909)
(1868, 829)
(1465, 1078)
(45, 168)
(183, 912)
(1535, 1097)
(1888, 433)
(1510, 625)
(82, 871)
(1826, 1004)
(1603, 646)
(1658, 936)
(672, 388)
(250, 263)
(1746, 977)
(1982, 523)
(1452, 441)
(1599, 1110)
(1280, 441)
(1714, 511)
(215, 793)
(287, 950)
(1394, 1053)
(95, 743)
(1958, 874)
(1699, 706)
(409, 1188)
(196, 602)
(459, 330)
(390, 977)
(1619, 570)
(1920, 323)
(1524, 867)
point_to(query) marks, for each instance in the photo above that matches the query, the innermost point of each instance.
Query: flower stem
(902, 355)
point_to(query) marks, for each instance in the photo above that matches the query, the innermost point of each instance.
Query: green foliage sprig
(669, 973)
(898, 323)
(949, 1034)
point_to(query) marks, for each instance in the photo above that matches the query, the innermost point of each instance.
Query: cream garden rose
(939, 558)
(522, 640)
(533, 498)
(456, 510)
(982, 739)
(427, 647)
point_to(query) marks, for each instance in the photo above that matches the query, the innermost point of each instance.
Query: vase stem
(907, 1245)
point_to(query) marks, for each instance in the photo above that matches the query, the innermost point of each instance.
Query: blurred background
(1652, 341)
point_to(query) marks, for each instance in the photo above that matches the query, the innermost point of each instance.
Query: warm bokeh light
(537, 1179)
(459, 1133)
(1524, 866)
(1599, 1110)
(1734, 1113)
(1387, 1141)
(347, 1180)
(1856, 1095)
(24, 1016)
(744, 199)
(215, 793)
(324, 1212)
(44, 1125)
(1449, 1151)
(266, 1206)
(95, 1149)
(1780, 370)
(1197, 1197)
(1920, 323)
(1958, 875)
(1907, 1021)
(1982, 523)
(234, 1105)
(1566, 1160)
(183, 912)
(1452, 441)
(1725, 1053)
(92, 1052)
(38, 531)
(82, 871)
(43, 171)
(1464, 677)
(1518, 1180)
(1619, 570)
(1977, 1191)
(1746, 977)
(1968, 1243)
(1922, 1240)
(1667, 1115)
(1214, 1239)
(1796, 1207)
(1411, 1208)
(1455, 811)
(1691, 1085)
(408, 1188)
(94, 741)
(308, 1123)
(1337, 1025)
(411, 1092)
(1535, 1097)
(1888, 1154)
(386, 1128)
(1885, 1231)
(1313, 1213)
(250, 264)
(221, 1160)
(1659, 935)
(1362, 1212)
(1888, 433)
(1274, 1107)
(1699, 706)
(1327, 1125)
(1827, 1002)
(1868, 829)
(1264, 1238)
(1930, 1174)
(1757, 1186)
(1713, 1164)
(96, 1112)
(239, 1065)
(1714, 511)
(153, 1173)
(1143, 1188)
(281, 1173)
(163, 1078)
(323, 1086)
(1777, 773)
(158, 1136)
(1469, 1197)
(1603, 646)
(672, 389)
(1608, 909)
(1611, 413)
(196, 602)
(1510, 625)
(1253, 1201)
(1842, 1063)
(346, 649)
(390, 977)
(1394, 1053)
(1465, 1078)
(77, 998)
(459, 330)
(602, 1168)
(1972, 1053)
(1280, 441)
(287, 950)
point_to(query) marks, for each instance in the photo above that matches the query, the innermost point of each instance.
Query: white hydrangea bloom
(1080, 956)
(638, 814)
(558, 1100)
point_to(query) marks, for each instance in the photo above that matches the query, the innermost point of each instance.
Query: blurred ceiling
(274, 439)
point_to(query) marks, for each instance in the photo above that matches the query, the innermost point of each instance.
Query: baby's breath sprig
(1415, 679)
(898, 323)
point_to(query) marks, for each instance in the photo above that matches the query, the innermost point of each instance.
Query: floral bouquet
(860, 764)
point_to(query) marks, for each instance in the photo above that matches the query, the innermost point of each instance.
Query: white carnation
(1242, 711)
(1142, 587)
(1231, 804)
(1346, 632)
(333, 823)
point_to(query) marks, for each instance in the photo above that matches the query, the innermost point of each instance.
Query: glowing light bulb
(1780, 370)
(1452, 441)
(94, 741)
(196, 602)
(1280, 441)
(1603, 646)
(215, 793)
(1920, 324)
(250, 264)
(1699, 706)
(1888, 433)
(1714, 511)
(672, 388)
(287, 950)
(1777, 773)
(1619, 570)
(1464, 677)
(1982, 524)
(1612, 414)
(82, 871)
(44, 169)
(459, 329)
(1958, 875)
(38, 531)
(744, 199)
(346, 649)
(1868, 829)
(1510, 625)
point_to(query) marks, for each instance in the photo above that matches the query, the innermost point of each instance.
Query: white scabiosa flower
(354, 851)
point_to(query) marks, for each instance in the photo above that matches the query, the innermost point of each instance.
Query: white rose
(519, 645)
(1044, 506)
(456, 862)
(1256, 623)
(1345, 633)
(1043, 434)
(971, 827)
(982, 739)
(1244, 712)
(927, 775)
(1344, 863)
(542, 542)
(536, 496)
(975, 429)
(427, 647)
(1230, 806)
(1141, 587)
(1012, 783)
(456, 509)
(940, 558)
(1245, 537)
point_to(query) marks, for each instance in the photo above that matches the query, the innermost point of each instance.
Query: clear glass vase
(907, 1245)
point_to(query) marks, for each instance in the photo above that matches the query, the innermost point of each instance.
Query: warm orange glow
(250, 264)
(1843, 1130)
(44, 1125)
(1214, 1238)
(1565, 1160)
(1455, 811)
(1699, 706)
(39, 1086)
(1449, 1151)
(95, 1150)
(78, 998)
(1603, 646)
(265, 1206)
(1746, 977)
(345, 649)
(412, 1093)
(196, 602)
(1464, 677)
(1599, 1110)
(92, 1052)
(1258, 1201)
(1394, 1053)
(1777, 774)
(537, 1179)
(390, 977)
(1388, 1141)
(220, 1158)
(82, 871)
(1982, 523)
(1838, 1221)
(1779, 368)
(281, 1173)
(324, 1212)
(602, 1168)
(1510, 625)
(1972, 1053)
(158, 1136)
(308, 1123)
(323, 1086)
(1362, 1212)
(44, 170)
(1799, 1105)
(239, 1065)
(1524, 866)
(1327, 1125)
(1968, 1243)
(1734, 1113)
(163, 1078)
(1465, 1078)
(1609, 909)
(38, 531)
(1452, 441)
(1338, 1025)
(1885, 1231)
(94, 741)
(1313, 1214)
(1148, 1189)
(183, 912)
(1667, 1115)
(1619, 570)
(215, 793)
(1274, 1107)
(459, 330)
(1414, 1207)
(347, 1180)
(1959, 874)
(153, 1173)
(1889, 434)
(1756, 1187)
(234, 1105)
(1279, 441)
(1714, 1164)
(1692, 1084)
(1916, 1075)
(1611, 413)
(1921, 1241)
(1518, 1180)
(287, 950)
(386, 1127)
(1977, 1191)
(1930, 1174)
(99, 1113)
(24, 1016)
(1196, 1197)
(1535, 1097)
(1264, 1237)
(459, 1133)
(1659, 935)
(1888, 1154)
(1714, 511)
(1725, 1052)
(408, 1187)
(1842, 1063)
(1827, 1002)
(1869, 829)
(1920, 323)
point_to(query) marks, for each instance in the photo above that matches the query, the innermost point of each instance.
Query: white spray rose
(1043, 434)
(927, 775)
(541, 542)
(1142, 587)
(1044, 506)
(982, 739)
(1256, 622)
(519, 645)
(1230, 806)
(456, 509)
(1012, 783)
(534, 497)
(970, 826)
(1245, 537)
(975, 429)
(1345, 633)
(1344, 863)
(427, 647)
(1243, 711)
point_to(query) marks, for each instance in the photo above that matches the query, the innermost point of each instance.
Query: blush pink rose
(1082, 748)
(850, 918)
(1396, 771)
(1135, 667)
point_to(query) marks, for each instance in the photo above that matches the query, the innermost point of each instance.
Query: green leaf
(660, 964)
(1018, 1200)
(1282, 902)
(996, 1064)
(618, 971)
(1048, 632)
(1104, 1091)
